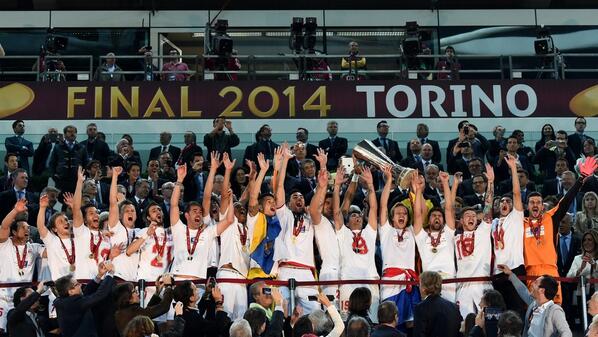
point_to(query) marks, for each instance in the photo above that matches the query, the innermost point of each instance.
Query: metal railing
(300, 66)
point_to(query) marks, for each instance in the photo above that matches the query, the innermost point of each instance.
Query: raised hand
(102, 269)
(387, 170)
(490, 171)
(43, 201)
(367, 176)
(181, 173)
(322, 158)
(178, 308)
(117, 170)
(116, 250)
(340, 178)
(217, 294)
(323, 299)
(214, 159)
(278, 154)
(21, 205)
(444, 177)
(458, 177)
(152, 228)
(68, 199)
(276, 296)
(264, 164)
(252, 169)
(323, 178)
(80, 174)
(511, 162)
(228, 164)
(286, 152)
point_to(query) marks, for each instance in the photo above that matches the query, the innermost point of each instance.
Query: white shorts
(301, 293)
(345, 293)
(235, 294)
(469, 295)
(330, 274)
(5, 306)
(449, 290)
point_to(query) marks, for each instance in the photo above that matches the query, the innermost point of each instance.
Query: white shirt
(536, 326)
(395, 253)
(198, 264)
(57, 259)
(150, 264)
(87, 266)
(9, 267)
(443, 260)
(298, 249)
(125, 267)
(355, 265)
(214, 253)
(478, 262)
(233, 251)
(328, 246)
(512, 229)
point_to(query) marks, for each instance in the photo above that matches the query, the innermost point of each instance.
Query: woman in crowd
(588, 217)
(359, 305)
(589, 148)
(239, 181)
(547, 134)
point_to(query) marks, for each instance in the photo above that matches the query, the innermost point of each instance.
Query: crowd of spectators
(96, 220)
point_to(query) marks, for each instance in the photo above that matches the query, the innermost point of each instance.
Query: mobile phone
(492, 314)
(466, 129)
(348, 164)
(464, 144)
(267, 291)
(49, 283)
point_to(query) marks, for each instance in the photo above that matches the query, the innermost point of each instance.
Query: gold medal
(72, 267)
(244, 249)
(434, 250)
(501, 245)
(294, 239)
(190, 258)
(91, 256)
(21, 272)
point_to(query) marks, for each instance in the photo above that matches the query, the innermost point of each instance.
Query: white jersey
(85, 261)
(474, 252)
(10, 272)
(125, 267)
(327, 244)
(397, 246)
(214, 252)
(233, 249)
(197, 263)
(358, 265)
(442, 259)
(57, 258)
(151, 265)
(511, 229)
(298, 241)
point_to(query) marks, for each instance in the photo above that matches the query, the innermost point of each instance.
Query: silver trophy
(367, 153)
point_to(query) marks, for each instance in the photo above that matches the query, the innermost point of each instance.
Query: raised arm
(41, 216)
(20, 206)
(373, 211)
(207, 192)
(256, 184)
(228, 165)
(349, 194)
(449, 211)
(136, 245)
(280, 193)
(74, 200)
(387, 170)
(317, 201)
(418, 214)
(230, 215)
(517, 202)
(489, 201)
(175, 212)
(113, 211)
(339, 180)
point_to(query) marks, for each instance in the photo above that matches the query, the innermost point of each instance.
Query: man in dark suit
(547, 156)
(11, 162)
(195, 181)
(434, 316)
(19, 145)
(66, 159)
(74, 306)
(335, 146)
(477, 199)
(555, 186)
(263, 144)
(220, 141)
(41, 158)
(414, 155)
(474, 167)
(467, 133)
(302, 135)
(461, 163)
(568, 246)
(390, 146)
(190, 149)
(22, 320)
(525, 184)
(140, 200)
(9, 197)
(387, 317)
(95, 148)
(575, 140)
(422, 134)
(165, 146)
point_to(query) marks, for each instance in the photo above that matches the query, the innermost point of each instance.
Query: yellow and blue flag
(261, 248)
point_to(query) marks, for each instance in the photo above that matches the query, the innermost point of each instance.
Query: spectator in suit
(509, 324)
(66, 159)
(335, 146)
(422, 131)
(523, 150)
(140, 200)
(548, 155)
(95, 149)
(94, 172)
(166, 189)
(428, 154)
(166, 164)
(587, 218)
(414, 159)
(195, 181)
(294, 171)
(307, 183)
(260, 315)
(153, 176)
(525, 185)
(165, 146)
(220, 141)
(263, 144)
(18, 145)
(467, 133)
(302, 135)
(130, 178)
(11, 162)
(567, 181)
(433, 190)
(499, 142)
(474, 167)
(388, 315)
(41, 158)
(477, 199)
(547, 135)
(568, 246)
(576, 140)
(52, 194)
(501, 168)
(189, 150)
(18, 191)
(589, 148)
(74, 306)
(391, 148)
(434, 316)
(124, 155)
(460, 163)
(554, 186)
(23, 320)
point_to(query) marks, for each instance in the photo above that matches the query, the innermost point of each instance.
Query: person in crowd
(467, 133)
(11, 163)
(66, 159)
(139, 326)
(195, 181)
(554, 186)
(547, 156)
(74, 305)
(584, 264)
(216, 321)
(18, 190)
(334, 145)
(265, 298)
(23, 320)
(435, 316)
(491, 303)
(124, 155)
(495, 145)
(577, 139)
(95, 149)
(359, 305)
(587, 218)
(126, 298)
(543, 317)
(547, 135)
(502, 170)
(460, 163)
(148, 71)
(190, 149)
(567, 247)
(449, 65)
(42, 156)
(263, 144)
(18, 145)
(239, 181)
(422, 132)
(589, 148)
(240, 328)
(388, 315)
(165, 146)
(354, 63)
(141, 199)
(389, 146)
(219, 140)
(592, 330)
(436, 243)
(413, 160)
(109, 71)
(175, 69)
(302, 136)
(327, 323)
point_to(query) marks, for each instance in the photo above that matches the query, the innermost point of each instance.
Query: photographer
(354, 63)
(450, 65)
(492, 305)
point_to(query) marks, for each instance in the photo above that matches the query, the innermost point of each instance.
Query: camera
(464, 144)
(466, 129)
(267, 291)
(49, 283)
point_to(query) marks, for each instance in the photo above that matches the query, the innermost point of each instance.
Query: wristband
(355, 178)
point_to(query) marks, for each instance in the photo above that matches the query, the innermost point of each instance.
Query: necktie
(20, 195)
(426, 164)
(312, 182)
(423, 140)
(385, 144)
(163, 148)
(564, 249)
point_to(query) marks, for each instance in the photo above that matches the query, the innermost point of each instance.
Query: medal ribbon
(401, 234)
(95, 248)
(499, 237)
(359, 245)
(242, 234)
(298, 226)
(466, 245)
(70, 258)
(190, 249)
(159, 249)
(434, 241)
(21, 261)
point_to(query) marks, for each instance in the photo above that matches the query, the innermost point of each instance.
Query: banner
(298, 99)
